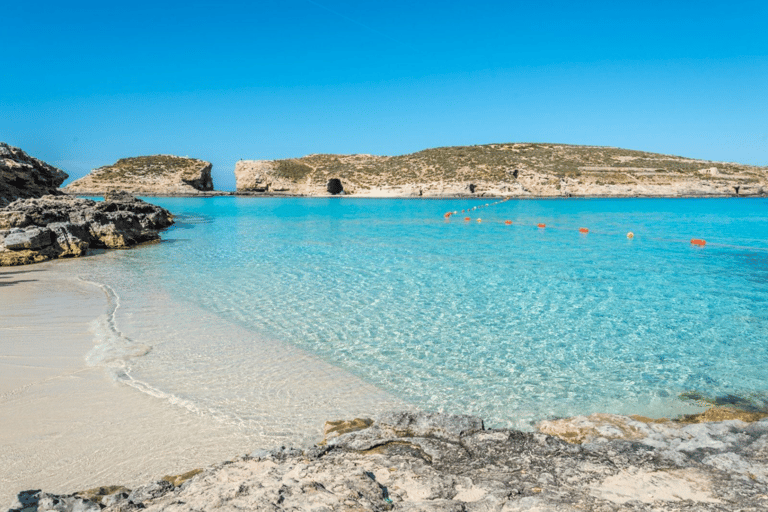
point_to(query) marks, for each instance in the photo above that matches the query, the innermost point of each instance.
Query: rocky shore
(38, 222)
(423, 461)
(40, 229)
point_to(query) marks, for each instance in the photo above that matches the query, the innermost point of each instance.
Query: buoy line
(630, 235)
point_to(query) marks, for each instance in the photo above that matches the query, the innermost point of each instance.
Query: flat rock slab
(422, 461)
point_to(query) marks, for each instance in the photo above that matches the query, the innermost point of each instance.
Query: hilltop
(509, 169)
(147, 175)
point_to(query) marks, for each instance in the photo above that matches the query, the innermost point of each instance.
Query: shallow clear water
(509, 322)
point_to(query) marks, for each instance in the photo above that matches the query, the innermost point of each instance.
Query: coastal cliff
(147, 175)
(23, 176)
(511, 170)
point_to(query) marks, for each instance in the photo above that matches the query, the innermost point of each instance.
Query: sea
(462, 306)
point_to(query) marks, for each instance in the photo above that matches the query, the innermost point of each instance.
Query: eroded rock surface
(39, 229)
(433, 462)
(23, 176)
(147, 175)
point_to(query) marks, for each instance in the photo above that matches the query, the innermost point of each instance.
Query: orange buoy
(698, 241)
(507, 222)
(630, 235)
(467, 218)
(583, 230)
(541, 225)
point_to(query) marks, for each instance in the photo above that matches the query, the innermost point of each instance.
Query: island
(502, 170)
(157, 175)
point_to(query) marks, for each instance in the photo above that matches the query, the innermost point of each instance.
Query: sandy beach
(68, 426)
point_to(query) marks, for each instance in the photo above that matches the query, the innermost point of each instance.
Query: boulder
(31, 239)
(70, 239)
(23, 176)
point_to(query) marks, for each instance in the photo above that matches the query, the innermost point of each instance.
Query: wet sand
(67, 426)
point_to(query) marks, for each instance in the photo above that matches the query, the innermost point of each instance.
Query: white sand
(66, 426)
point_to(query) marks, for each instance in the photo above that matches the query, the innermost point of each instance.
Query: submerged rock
(39, 229)
(422, 461)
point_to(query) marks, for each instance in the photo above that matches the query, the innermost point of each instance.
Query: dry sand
(66, 426)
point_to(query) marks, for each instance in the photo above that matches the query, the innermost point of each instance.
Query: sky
(85, 83)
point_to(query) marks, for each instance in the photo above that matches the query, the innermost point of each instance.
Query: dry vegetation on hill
(147, 174)
(520, 169)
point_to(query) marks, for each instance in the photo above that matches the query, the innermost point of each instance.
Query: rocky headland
(157, 175)
(435, 462)
(38, 222)
(508, 170)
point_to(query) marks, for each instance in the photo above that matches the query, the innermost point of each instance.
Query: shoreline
(72, 425)
(69, 415)
(77, 422)
(69, 424)
(224, 193)
(97, 406)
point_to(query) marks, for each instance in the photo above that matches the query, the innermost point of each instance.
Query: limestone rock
(22, 176)
(511, 170)
(71, 239)
(38, 229)
(147, 175)
(30, 239)
(434, 462)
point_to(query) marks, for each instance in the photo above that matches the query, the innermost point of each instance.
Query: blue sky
(85, 83)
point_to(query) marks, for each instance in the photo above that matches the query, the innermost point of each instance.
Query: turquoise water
(509, 322)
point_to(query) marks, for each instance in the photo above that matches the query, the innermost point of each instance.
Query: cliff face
(147, 175)
(514, 170)
(22, 176)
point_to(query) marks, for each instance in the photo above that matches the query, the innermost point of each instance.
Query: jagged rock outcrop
(434, 462)
(147, 175)
(39, 229)
(512, 170)
(23, 176)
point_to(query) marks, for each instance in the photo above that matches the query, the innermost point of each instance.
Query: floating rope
(630, 235)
